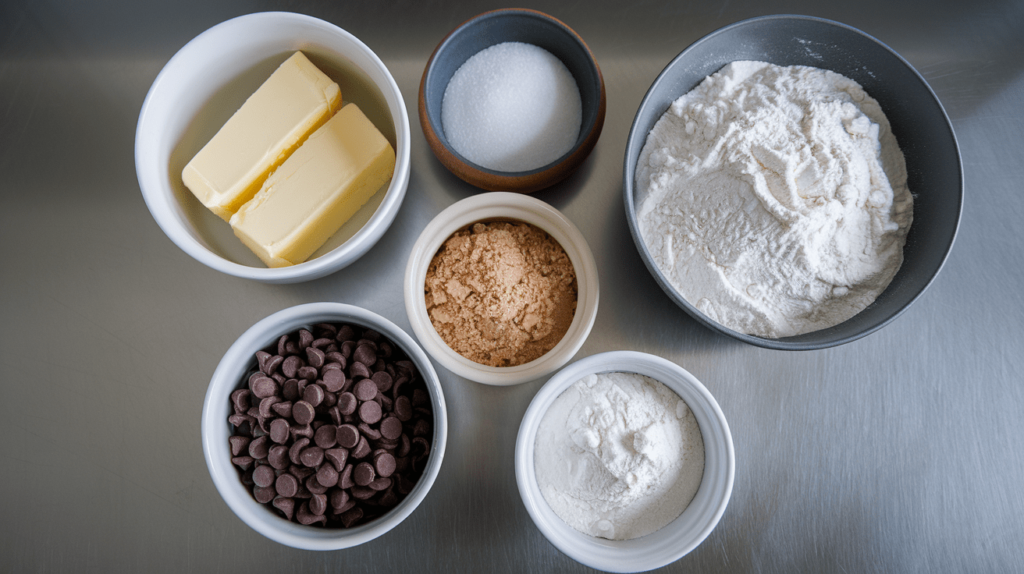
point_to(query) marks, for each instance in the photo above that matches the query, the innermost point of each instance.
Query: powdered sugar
(775, 198)
(618, 455)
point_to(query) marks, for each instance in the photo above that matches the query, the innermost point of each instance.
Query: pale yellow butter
(296, 100)
(316, 190)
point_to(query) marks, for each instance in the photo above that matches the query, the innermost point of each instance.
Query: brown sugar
(501, 293)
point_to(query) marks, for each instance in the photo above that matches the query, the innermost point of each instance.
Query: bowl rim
(228, 376)
(696, 522)
(502, 205)
(150, 163)
(629, 175)
(521, 181)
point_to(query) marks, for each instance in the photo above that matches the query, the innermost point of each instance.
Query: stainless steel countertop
(900, 452)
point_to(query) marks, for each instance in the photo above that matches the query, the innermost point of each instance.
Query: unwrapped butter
(316, 190)
(296, 100)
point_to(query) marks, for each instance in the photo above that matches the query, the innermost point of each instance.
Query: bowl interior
(230, 375)
(501, 26)
(918, 121)
(208, 80)
(680, 536)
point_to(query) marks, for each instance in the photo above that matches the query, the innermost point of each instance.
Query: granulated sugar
(512, 107)
(618, 455)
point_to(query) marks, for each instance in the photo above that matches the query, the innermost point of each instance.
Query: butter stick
(294, 101)
(316, 190)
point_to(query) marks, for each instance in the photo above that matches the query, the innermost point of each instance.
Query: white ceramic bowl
(202, 86)
(677, 538)
(229, 375)
(502, 205)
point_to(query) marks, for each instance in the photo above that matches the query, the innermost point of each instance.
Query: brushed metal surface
(900, 452)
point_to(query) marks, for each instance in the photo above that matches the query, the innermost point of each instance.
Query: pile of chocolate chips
(334, 428)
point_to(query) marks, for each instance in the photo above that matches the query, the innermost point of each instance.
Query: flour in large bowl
(776, 198)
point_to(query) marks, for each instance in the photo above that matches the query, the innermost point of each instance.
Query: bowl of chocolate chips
(324, 426)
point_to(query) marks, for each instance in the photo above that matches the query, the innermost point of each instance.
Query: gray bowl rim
(786, 343)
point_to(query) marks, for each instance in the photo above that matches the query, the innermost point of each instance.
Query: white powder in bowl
(618, 455)
(512, 107)
(776, 198)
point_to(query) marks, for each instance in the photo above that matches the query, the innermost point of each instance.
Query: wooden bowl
(512, 25)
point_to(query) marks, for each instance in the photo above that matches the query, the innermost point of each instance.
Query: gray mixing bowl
(920, 125)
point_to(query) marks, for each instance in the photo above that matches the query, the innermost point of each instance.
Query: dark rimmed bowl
(512, 25)
(920, 124)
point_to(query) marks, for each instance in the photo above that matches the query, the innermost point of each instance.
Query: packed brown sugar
(501, 293)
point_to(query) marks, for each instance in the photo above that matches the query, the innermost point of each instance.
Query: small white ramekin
(205, 75)
(681, 535)
(229, 375)
(502, 205)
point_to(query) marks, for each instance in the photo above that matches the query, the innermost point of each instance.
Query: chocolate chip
(308, 373)
(351, 517)
(382, 380)
(384, 464)
(290, 366)
(421, 428)
(327, 475)
(334, 379)
(278, 457)
(239, 444)
(380, 484)
(362, 492)
(305, 338)
(312, 456)
(261, 360)
(338, 498)
(300, 472)
(318, 504)
(263, 494)
(326, 436)
(266, 405)
(283, 409)
(296, 449)
(403, 408)
(304, 431)
(263, 475)
(346, 333)
(359, 371)
(264, 387)
(370, 412)
(348, 436)
(240, 400)
(322, 342)
(285, 505)
(391, 428)
(345, 480)
(362, 450)
(337, 457)
(242, 462)
(347, 403)
(314, 357)
(259, 447)
(313, 394)
(307, 518)
(302, 412)
(368, 431)
(364, 354)
(273, 363)
(314, 486)
(279, 431)
(365, 390)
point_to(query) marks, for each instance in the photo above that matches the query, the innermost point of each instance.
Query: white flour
(776, 198)
(618, 455)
